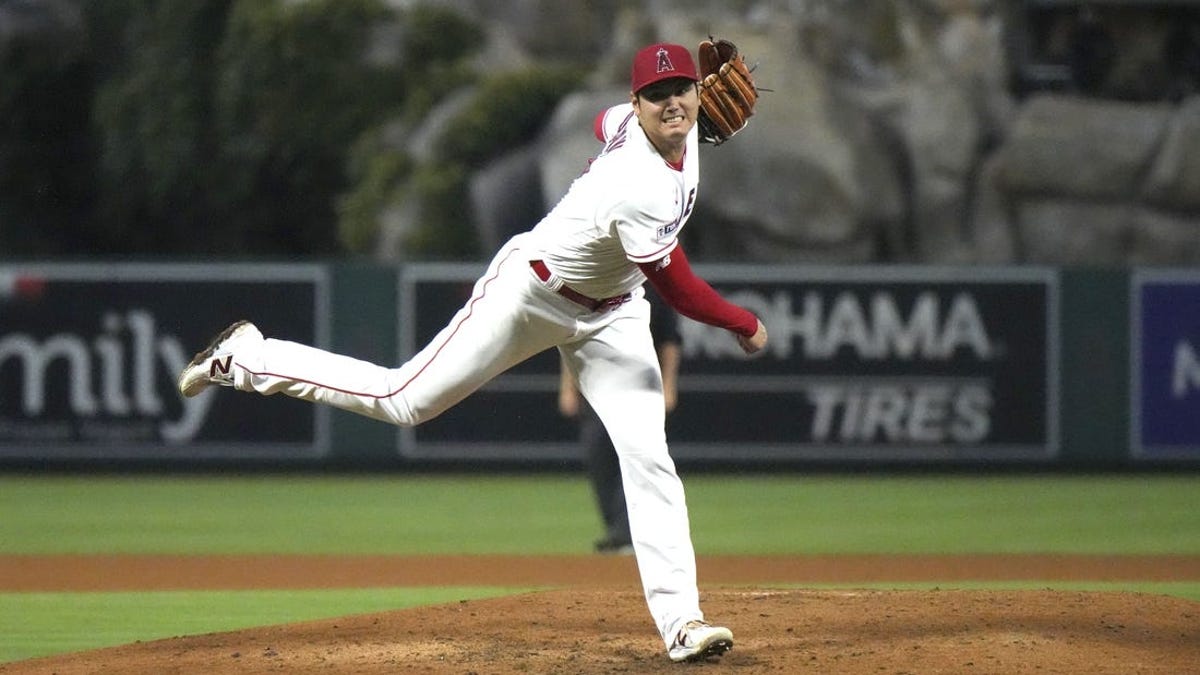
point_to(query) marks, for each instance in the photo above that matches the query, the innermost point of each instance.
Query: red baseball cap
(660, 62)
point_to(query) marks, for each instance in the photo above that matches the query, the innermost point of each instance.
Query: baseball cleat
(214, 365)
(698, 640)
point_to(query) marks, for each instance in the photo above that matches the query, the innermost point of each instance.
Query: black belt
(543, 273)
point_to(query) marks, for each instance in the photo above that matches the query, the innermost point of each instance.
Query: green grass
(39, 624)
(938, 514)
(262, 514)
(554, 514)
(534, 514)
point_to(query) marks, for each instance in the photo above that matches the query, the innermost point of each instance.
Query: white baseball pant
(511, 316)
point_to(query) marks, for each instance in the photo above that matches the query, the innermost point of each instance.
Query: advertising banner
(877, 363)
(864, 363)
(1165, 368)
(89, 356)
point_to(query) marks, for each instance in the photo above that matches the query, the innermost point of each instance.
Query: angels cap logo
(664, 61)
(661, 61)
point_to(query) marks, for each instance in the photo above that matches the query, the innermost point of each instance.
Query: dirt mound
(605, 630)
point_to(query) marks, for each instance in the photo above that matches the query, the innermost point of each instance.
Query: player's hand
(755, 342)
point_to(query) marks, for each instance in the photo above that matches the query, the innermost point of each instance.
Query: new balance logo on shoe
(219, 368)
(214, 365)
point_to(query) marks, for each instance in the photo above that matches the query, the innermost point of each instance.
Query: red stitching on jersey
(470, 311)
(402, 387)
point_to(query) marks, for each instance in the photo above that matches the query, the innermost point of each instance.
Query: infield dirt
(595, 621)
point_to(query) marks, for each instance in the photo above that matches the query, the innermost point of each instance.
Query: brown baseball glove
(727, 92)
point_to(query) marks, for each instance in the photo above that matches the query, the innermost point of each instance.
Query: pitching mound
(601, 630)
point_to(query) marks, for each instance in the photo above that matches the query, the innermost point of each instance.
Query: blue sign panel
(1166, 365)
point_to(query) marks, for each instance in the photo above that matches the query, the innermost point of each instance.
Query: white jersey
(627, 208)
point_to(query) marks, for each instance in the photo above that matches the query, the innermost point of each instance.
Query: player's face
(667, 110)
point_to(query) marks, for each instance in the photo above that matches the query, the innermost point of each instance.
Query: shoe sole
(190, 388)
(713, 649)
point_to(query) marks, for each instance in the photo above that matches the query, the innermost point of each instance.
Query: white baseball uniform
(627, 208)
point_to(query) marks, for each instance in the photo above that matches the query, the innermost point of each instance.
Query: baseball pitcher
(573, 282)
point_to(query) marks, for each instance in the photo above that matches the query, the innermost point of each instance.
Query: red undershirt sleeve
(692, 297)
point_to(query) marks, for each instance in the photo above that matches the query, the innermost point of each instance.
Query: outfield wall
(867, 365)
